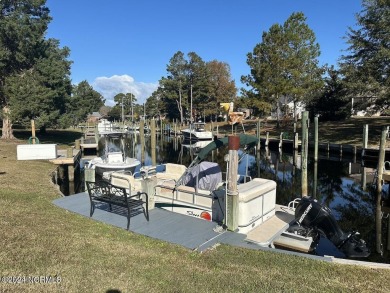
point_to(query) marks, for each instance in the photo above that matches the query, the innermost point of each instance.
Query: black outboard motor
(310, 214)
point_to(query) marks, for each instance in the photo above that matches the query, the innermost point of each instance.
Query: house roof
(95, 114)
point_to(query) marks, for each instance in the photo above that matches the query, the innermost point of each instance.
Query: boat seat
(257, 203)
(172, 172)
(184, 193)
(125, 180)
(190, 195)
(255, 188)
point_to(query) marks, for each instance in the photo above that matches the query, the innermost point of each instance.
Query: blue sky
(125, 45)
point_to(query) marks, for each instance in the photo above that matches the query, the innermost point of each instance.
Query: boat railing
(293, 204)
(240, 178)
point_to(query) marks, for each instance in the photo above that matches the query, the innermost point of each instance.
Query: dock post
(296, 141)
(388, 234)
(281, 140)
(316, 139)
(379, 182)
(89, 175)
(33, 132)
(149, 186)
(153, 140)
(266, 139)
(69, 153)
(142, 128)
(365, 136)
(232, 192)
(315, 179)
(364, 179)
(258, 134)
(304, 150)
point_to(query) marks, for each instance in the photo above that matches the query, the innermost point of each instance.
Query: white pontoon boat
(200, 191)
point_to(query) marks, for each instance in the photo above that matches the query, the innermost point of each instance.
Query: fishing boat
(113, 159)
(196, 132)
(105, 126)
(201, 190)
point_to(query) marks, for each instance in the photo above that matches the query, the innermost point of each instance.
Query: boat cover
(206, 176)
(245, 140)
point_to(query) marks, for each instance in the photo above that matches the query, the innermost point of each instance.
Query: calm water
(334, 181)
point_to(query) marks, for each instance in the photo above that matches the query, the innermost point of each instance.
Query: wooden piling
(258, 134)
(281, 140)
(304, 152)
(315, 179)
(364, 179)
(232, 193)
(316, 139)
(388, 234)
(365, 136)
(379, 183)
(153, 140)
(142, 128)
(296, 141)
(33, 131)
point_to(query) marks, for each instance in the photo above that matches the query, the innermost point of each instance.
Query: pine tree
(367, 66)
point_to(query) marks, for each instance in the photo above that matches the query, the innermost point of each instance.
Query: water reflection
(342, 184)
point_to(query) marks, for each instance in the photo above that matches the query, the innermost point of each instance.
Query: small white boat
(197, 131)
(113, 159)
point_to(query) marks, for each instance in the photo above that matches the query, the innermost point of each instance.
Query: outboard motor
(310, 214)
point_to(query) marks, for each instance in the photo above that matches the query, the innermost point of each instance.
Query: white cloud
(108, 87)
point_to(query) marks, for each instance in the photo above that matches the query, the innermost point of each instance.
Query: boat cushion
(172, 171)
(255, 188)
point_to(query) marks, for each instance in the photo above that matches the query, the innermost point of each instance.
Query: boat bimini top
(197, 165)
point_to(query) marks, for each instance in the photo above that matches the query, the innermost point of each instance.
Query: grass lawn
(339, 132)
(40, 239)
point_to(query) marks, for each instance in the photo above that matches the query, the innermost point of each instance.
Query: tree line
(35, 74)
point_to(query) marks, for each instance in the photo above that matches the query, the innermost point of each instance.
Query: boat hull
(101, 166)
(195, 136)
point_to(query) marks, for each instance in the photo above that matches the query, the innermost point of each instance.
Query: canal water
(344, 184)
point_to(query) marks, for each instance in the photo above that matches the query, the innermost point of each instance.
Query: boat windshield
(200, 127)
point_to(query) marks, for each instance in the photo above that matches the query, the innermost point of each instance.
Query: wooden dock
(192, 233)
(69, 160)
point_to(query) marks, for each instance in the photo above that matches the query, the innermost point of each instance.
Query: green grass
(40, 239)
(339, 132)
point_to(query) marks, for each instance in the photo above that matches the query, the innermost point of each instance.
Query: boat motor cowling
(310, 214)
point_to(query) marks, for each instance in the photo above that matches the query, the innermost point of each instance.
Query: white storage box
(36, 151)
